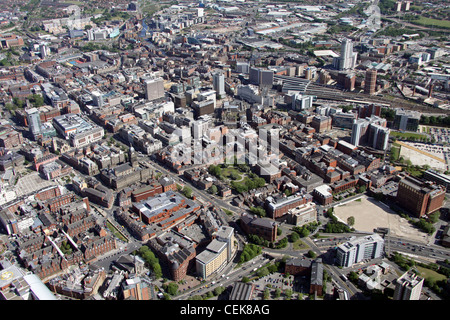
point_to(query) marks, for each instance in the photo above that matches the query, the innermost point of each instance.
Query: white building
(302, 102)
(408, 287)
(219, 84)
(347, 59)
(154, 88)
(359, 249)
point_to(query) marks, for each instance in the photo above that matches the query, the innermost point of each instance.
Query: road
(231, 275)
(334, 272)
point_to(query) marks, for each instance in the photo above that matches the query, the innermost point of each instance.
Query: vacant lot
(370, 214)
(420, 157)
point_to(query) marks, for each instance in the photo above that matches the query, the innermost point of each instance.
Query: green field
(430, 274)
(407, 135)
(232, 172)
(299, 245)
(429, 22)
(395, 152)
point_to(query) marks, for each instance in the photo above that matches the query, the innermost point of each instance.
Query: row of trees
(214, 293)
(151, 261)
(304, 231)
(433, 120)
(250, 183)
(335, 226)
(249, 252)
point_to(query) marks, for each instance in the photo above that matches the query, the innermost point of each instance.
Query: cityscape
(224, 150)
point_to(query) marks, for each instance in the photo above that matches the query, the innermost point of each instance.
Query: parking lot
(421, 154)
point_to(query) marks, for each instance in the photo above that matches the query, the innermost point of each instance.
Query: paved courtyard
(31, 183)
(370, 214)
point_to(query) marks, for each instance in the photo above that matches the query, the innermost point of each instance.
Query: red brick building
(420, 197)
(265, 228)
(9, 138)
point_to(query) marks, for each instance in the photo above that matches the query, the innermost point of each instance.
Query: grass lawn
(406, 135)
(228, 172)
(299, 245)
(395, 152)
(431, 274)
(115, 231)
(433, 22)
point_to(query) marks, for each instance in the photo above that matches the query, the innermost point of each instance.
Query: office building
(378, 137)
(347, 59)
(10, 138)
(323, 194)
(406, 120)
(370, 82)
(310, 73)
(302, 102)
(154, 89)
(242, 67)
(419, 196)
(359, 249)
(212, 259)
(277, 207)
(370, 131)
(219, 84)
(264, 228)
(226, 234)
(34, 122)
(260, 76)
(408, 287)
(138, 288)
(321, 123)
(359, 129)
(97, 98)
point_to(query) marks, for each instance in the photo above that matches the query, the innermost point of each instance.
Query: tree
(259, 211)
(187, 192)
(171, 288)
(353, 276)
(294, 236)
(212, 189)
(351, 220)
(18, 102)
(37, 100)
(312, 254)
(215, 170)
(266, 294)
(277, 293)
(218, 291)
(434, 217)
(157, 271)
(66, 248)
(262, 272)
